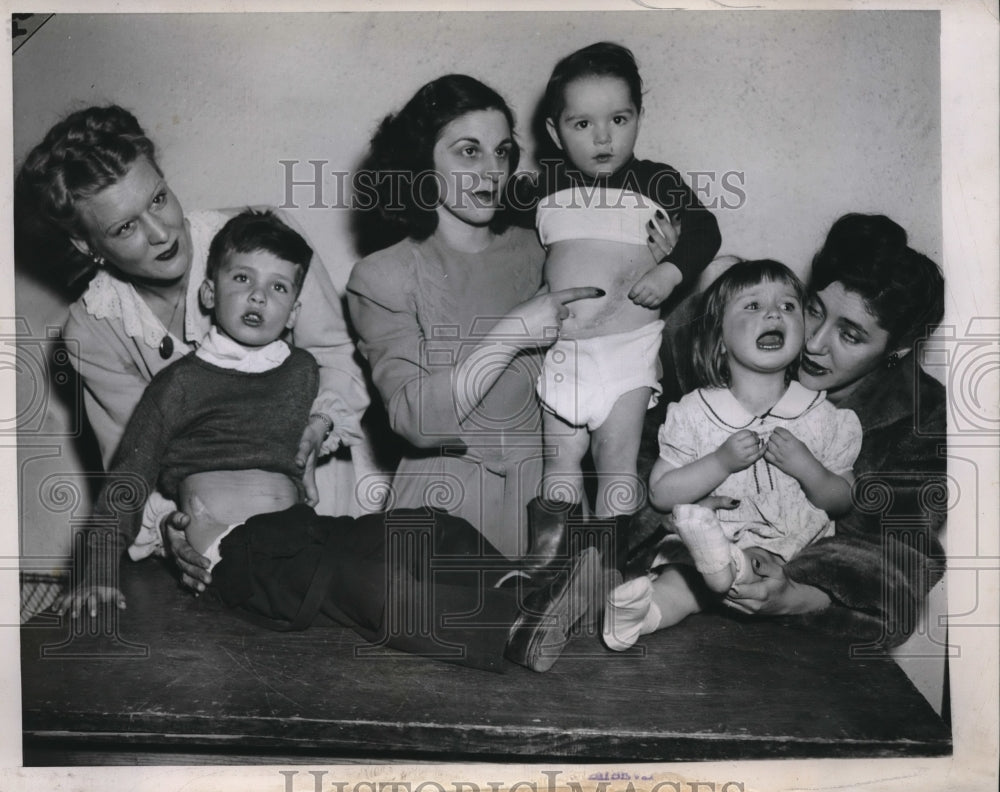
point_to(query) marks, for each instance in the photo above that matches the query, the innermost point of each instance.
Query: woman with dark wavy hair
(450, 318)
(872, 298)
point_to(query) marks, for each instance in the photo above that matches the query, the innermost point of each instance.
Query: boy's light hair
(711, 369)
(255, 230)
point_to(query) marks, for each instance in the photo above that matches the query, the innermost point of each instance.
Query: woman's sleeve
(112, 384)
(322, 331)
(886, 554)
(699, 239)
(415, 387)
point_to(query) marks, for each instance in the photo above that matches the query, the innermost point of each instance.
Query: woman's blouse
(420, 309)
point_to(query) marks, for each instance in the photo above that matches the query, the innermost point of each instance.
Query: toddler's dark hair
(252, 231)
(869, 255)
(711, 369)
(603, 59)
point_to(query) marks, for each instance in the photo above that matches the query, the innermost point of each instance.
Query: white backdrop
(824, 113)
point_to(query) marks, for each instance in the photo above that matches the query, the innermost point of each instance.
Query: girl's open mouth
(253, 319)
(771, 340)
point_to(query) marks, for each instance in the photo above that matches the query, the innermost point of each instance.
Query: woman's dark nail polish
(659, 215)
(600, 292)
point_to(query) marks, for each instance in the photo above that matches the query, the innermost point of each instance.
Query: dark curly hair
(901, 288)
(87, 151)
(711, 369)
(397, 176)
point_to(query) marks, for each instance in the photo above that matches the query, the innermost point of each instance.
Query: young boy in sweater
(215, 431)
(218, 433)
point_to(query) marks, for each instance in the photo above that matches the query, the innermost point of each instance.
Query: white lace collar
(109, 297)
(220, 350)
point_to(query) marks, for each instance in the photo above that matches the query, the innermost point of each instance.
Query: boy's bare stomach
(231, 496)
(613, 266)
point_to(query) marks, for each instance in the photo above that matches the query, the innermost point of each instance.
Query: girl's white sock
(630, 613)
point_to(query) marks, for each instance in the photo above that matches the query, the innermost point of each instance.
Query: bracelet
(326, 420)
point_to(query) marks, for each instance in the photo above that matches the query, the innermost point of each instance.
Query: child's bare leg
(675, 594)
(562, 469)
(643, 606)
(615, 445)
(715, 556)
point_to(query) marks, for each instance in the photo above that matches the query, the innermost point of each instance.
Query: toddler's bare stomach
(231, 496)
(613, 266)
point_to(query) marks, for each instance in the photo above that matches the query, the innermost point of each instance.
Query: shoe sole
(580, 603)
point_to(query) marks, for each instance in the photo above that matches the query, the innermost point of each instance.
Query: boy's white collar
(220, 350)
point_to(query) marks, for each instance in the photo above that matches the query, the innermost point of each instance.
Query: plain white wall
(823, 113)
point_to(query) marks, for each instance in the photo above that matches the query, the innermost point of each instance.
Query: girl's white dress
(774, 512)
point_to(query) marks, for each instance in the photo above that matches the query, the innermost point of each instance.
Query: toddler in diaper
(634, 229)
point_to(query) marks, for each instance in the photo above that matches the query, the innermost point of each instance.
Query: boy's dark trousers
(417, 580)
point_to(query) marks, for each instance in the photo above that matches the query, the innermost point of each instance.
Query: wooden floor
(185, 681)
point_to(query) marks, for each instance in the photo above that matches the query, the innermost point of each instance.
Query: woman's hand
(740, 450)
(309, 449)
(663, 236)
(772, 593)
(193, 565)
(540, 319)
(88, 597)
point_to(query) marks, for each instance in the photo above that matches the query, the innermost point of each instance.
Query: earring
(98, 260)
(893, 360)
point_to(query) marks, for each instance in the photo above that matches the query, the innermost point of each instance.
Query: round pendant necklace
(167, 344)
